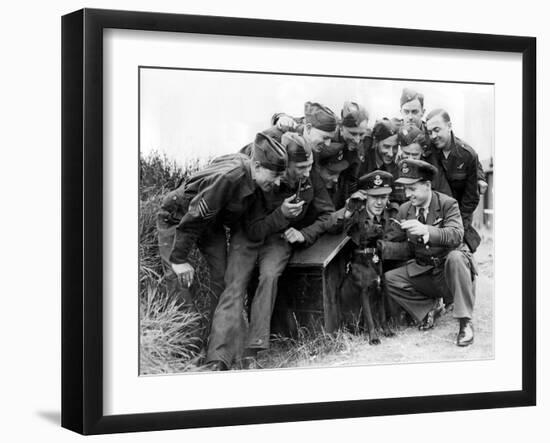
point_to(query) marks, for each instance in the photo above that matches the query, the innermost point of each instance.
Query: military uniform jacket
(265, 216)
(446, 234)
(440, 182)
(426, 156)
(461, 168)
(216, 196)
(349, 178)
(337, 195)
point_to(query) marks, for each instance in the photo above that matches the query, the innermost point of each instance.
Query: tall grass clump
(169, 342)
(170, 338)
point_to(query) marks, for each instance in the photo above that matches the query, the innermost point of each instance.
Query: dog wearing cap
(365, 221)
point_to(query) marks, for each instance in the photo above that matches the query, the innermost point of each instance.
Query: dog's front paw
(374, 341)
(388, 333)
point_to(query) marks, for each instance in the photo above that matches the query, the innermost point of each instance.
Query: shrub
(157, 174)
(170, 339)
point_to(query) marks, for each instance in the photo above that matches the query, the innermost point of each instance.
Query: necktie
(421, 216)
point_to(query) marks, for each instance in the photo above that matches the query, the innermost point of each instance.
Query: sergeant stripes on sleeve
(204, 210)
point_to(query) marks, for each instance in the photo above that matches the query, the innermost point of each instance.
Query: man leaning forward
(294, 214)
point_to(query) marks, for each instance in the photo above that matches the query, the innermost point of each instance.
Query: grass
(308, 346)
(171, 338)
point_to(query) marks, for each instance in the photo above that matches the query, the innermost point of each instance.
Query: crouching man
(197, 213)
(294, 214)
(429, 227)
(366, 219)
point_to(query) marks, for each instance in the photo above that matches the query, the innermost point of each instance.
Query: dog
(365, 219)
(362, 292)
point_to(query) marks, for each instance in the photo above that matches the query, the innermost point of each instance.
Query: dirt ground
(409, 344)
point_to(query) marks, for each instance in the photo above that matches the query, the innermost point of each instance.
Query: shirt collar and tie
(422, 211)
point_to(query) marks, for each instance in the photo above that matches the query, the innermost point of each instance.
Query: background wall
(30, 178)
(181, 108)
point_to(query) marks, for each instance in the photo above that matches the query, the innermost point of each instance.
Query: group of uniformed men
(405, 190)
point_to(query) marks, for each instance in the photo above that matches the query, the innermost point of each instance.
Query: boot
(465, 333)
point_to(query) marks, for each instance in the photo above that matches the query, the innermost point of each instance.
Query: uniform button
(427, 246)
(174, 198)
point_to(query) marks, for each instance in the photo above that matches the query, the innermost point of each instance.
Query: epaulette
(462, 144)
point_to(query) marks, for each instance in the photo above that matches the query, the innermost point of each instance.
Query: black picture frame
(82, 218)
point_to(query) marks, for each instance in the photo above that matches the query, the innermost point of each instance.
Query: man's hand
(294, 236)
(286, 123)
(414, 227)
(482, 185)
(360, 195)
(185, 273)
(290, 209)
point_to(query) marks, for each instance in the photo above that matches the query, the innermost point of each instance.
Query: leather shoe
(466, 332)
(216, 365)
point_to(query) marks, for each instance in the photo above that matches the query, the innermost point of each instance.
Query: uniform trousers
(213, 246)
(229, 335)
(418, 294)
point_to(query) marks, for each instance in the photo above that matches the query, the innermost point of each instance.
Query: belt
(430, 261)
(365, 251)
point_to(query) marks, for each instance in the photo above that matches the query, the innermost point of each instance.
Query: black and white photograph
(275, 221)
(294, 221)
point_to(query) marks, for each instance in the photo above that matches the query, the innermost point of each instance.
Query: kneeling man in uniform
(429, 227)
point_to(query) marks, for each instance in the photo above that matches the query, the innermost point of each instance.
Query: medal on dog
(348, 267)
